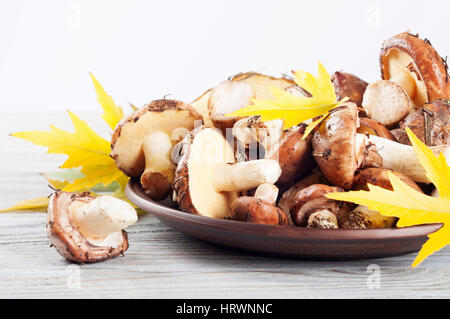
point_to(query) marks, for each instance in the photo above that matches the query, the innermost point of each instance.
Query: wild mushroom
(300, 211)
(427, 126)
(336, 149)
(416, 66)
(386, 102)
(368, 126)
(349, 85)
(288, 147)
(361, 216)
(208, 179)
(86, 229)
(402, 158)
(236, 93)
(261, 208)
(142, 143)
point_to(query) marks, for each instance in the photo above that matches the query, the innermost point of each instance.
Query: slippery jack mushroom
(261, 208)
(141, 144)
(416, 66)
(338, 151)
(208, 179)
(287, 147)
(362, 216)
(88, 229)
(349, 85)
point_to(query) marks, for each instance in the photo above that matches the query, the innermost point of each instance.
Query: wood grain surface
(162, 263)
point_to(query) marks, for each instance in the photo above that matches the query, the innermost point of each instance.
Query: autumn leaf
(39, 203)
(410, 206)
(112, 113)
(296, 109)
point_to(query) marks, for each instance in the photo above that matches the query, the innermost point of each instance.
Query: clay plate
(287, 241)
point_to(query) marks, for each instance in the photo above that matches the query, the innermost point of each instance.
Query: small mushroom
(323, 213)
(371, 127)
(288, 147)
(416, 66)
(386, 102)
(380, 177)
(362, 217)
(88, 229)
(349, 85)
(208, 179)
(323, 219)
(261, 208)
(142, 143)
(442, 110)
(300, 215)
(336, 149)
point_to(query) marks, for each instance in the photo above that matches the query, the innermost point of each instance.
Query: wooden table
(162, 263)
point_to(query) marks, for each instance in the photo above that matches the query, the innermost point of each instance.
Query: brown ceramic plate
(287, 241)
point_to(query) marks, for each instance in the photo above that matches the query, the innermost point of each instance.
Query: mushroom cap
(203, 150)
(69, 241)
(418, 56)
(379, 177)
(428, 127)
(294, 155)
(334, 145)
(372, 127)
(337, 208)
(349, 85)
(258, 211)
(306, 195)
(170, 116)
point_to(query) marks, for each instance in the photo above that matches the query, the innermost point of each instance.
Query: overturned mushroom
(415, 65)
(386, 102)
(261, 208)
(336, 149)
(208, 179)
(142, 143)
(86, 229)
(349, 85)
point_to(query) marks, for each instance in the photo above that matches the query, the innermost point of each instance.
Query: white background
(143, 50)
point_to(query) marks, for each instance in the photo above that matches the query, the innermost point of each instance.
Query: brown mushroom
(208, 179)
(288, 147)
(259, 209)
(427, 126)
(349, 85)
(416, 66)
(442, 110)
(362, 217)
(298, 213)
(86, 229)
(368, 126)
(336, 149)
(141, 144)
(386, 102)
(379, 177)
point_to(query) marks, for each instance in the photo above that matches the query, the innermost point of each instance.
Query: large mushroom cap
(349, 85)
(69, 241)
(169, 116)
(423, 71)
(204, 150)
(335, 146)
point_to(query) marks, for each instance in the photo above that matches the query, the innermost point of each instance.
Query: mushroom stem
(267, 192)
(402, 158)
(245, 175)
(102, 216)
(159, 168)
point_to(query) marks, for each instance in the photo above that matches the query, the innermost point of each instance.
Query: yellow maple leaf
(112, 113)
(296, 109)
(410, 206)
(39, 203)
